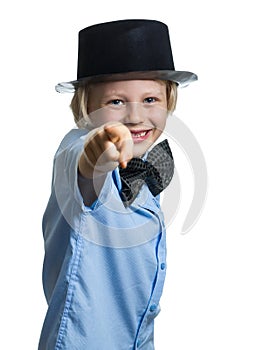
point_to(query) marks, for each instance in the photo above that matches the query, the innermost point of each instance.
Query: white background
(213, 298)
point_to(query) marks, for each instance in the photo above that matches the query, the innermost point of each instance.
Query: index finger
(120, 135)
(117, 132)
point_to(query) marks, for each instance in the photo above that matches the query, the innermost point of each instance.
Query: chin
(141, 148)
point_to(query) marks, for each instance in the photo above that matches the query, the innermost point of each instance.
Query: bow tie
(157, 172)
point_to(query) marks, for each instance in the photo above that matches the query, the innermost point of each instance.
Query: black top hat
(124, 50)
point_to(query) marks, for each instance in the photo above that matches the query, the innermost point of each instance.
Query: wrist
(86, 168)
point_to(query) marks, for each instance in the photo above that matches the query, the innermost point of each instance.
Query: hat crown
(124, 46)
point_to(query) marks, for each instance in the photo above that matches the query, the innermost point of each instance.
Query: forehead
(130, 86)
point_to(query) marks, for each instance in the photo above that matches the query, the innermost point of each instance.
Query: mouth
(140, 135)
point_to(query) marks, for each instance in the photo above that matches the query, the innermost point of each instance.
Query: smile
(140, 135)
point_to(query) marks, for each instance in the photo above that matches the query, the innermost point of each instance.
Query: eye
(116, 102)
(149, 100)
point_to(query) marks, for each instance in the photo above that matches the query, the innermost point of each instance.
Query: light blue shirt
(104, 265)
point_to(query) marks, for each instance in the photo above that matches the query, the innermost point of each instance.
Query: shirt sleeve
(66, 175)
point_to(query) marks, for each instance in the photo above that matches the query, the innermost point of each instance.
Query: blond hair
(79, 101)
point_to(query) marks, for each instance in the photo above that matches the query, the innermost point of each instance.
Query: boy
(105, 251)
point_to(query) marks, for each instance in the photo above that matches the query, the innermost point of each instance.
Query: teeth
(140, 134)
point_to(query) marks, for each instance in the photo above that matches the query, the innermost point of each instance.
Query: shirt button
(162, 266)
(153, 307)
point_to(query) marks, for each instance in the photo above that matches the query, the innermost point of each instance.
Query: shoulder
(72, 137)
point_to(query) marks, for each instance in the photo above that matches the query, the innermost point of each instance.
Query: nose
(134, 113)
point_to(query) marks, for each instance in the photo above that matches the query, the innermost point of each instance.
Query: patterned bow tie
(157, 172)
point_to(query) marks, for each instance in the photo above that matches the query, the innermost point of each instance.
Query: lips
(139, 135)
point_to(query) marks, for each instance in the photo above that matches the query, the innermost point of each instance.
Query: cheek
(159, 119)
(102, 116)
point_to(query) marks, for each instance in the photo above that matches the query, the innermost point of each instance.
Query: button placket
(153, 308)
(163, 266)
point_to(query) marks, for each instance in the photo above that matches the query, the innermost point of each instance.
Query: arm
(106, 148)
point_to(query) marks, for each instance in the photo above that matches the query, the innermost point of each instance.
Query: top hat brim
(181, 78)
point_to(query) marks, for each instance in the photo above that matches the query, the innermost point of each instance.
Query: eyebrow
(122, 93)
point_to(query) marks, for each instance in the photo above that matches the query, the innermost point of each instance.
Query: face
(141, 105)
